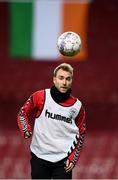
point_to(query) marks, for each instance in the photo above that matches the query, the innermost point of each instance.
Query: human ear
(54, 80)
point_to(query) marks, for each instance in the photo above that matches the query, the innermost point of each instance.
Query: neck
(58, 96)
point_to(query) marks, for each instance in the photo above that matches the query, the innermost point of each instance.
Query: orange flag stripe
(75, 18)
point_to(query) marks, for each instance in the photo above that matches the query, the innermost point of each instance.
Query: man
(59, 127)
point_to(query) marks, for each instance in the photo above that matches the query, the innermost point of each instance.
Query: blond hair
(64, 66)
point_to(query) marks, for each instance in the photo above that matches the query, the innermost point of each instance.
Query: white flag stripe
(46, 28)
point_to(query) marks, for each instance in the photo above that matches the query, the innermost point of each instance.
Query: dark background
(95, 84)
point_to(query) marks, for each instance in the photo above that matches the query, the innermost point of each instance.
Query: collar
(58, 96)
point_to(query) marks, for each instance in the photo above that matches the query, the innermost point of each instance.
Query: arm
(24, 116)
(32, 106)
(74, 155)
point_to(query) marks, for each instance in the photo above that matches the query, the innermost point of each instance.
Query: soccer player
(59, 127)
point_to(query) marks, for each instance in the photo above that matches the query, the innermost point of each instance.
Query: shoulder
(39, 93)
(38, 96)
(70, 101)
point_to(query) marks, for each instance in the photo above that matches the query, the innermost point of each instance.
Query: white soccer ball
(69, 43)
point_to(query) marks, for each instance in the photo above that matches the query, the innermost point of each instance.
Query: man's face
(63, 80)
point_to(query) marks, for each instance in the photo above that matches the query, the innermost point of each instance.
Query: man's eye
(68, 79)
(60, 77)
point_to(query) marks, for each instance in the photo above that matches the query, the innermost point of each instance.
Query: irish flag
(36, 25)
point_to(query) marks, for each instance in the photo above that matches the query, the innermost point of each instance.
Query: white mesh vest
(55, 130)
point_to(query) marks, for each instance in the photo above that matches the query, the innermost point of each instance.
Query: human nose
(64, 81)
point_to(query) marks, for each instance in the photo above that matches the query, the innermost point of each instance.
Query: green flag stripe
(20, 29)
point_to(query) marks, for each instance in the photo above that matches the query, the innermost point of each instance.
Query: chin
(63, 91)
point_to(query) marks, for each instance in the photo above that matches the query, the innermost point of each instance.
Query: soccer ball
(69, 43)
